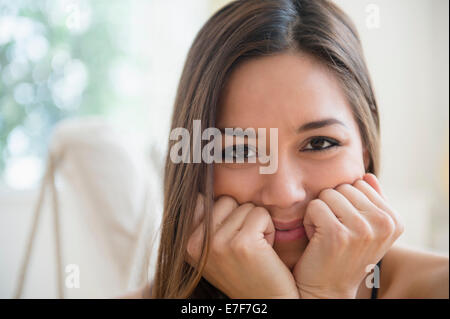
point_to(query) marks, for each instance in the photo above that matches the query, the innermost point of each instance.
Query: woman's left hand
(349, 227)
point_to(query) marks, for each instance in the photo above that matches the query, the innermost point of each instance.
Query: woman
(317, 225)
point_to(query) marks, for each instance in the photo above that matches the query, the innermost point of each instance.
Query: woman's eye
(320, 144)
(237, 152)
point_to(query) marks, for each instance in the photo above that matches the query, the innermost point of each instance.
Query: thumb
(199, 210)
(310, 230)
(372, 180)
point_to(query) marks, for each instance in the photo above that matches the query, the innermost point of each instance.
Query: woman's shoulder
(413, 273)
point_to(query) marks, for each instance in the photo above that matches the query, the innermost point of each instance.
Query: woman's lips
(287, 225)
(288, 231)
(289, 235)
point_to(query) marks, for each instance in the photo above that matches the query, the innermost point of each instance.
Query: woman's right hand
(241, 261)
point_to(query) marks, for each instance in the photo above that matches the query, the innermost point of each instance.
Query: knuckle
(399, 227)
(193, 247)
(365, 233)
(260, 211)
(343, 188)
(359, 183)
(386, 224)
(326, 193)
(240, 246)
(315, 204)
(218, 245)
(227, 201)
(248, 206)
(341, 237)
(368, 236)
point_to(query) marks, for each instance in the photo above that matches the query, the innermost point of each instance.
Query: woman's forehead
(284, 89)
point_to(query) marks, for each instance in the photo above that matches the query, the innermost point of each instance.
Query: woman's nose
(284, 188)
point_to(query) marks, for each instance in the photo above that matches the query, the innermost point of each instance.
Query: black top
(375, 289)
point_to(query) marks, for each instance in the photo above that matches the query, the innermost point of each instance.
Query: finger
(372, 180)
(370, 193)
(234, 222)
(222, 208)
(197, 232)
(319, 218)
(375, 198)
(375, 217)
(199, 211)
(357, 198)
(344, 210)
(258, 225)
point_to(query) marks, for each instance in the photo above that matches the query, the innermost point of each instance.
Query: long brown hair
(245, 29)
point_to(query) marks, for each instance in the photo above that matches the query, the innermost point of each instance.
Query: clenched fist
(241, 262)
(348, 227)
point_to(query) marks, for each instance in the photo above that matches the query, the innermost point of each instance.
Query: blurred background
(117, 63)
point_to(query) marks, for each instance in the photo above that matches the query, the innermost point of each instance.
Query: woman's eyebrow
(237, 131)
(305, 127)
(318, 124)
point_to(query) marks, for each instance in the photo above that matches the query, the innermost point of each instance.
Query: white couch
(109, 204)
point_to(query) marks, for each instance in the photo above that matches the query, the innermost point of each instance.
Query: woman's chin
(291, 261)
(290, 253)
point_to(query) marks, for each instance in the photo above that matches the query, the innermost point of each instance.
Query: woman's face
(287, 91)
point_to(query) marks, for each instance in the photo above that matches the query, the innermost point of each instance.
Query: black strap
(375, 289)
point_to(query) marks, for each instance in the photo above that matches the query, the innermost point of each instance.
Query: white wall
(407, 56)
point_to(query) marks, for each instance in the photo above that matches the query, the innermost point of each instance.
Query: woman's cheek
(235, 182)
(351, 167)
(343, 169)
